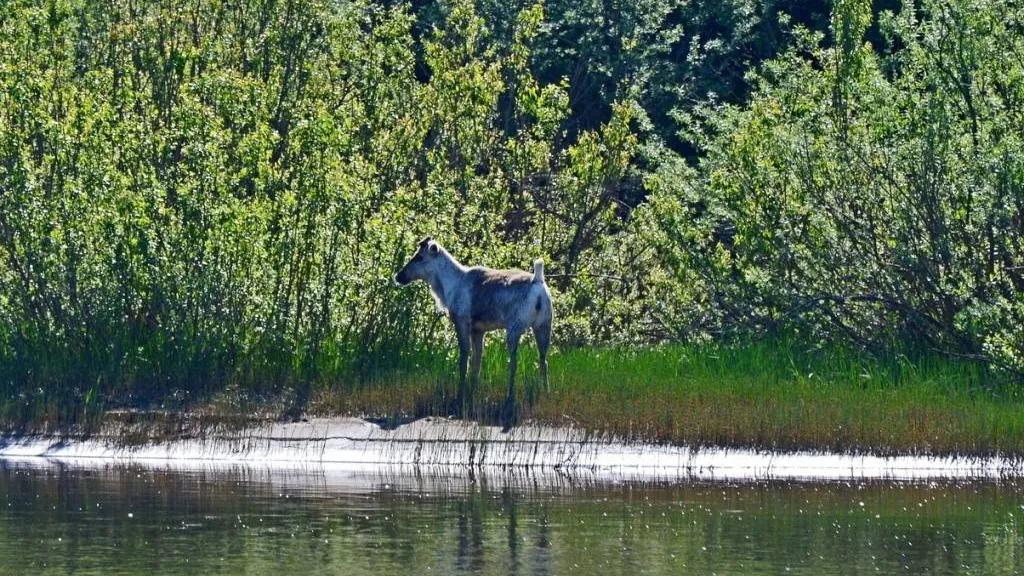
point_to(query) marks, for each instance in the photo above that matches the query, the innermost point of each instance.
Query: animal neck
(445, 281)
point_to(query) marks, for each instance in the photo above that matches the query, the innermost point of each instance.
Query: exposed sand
(462, 447)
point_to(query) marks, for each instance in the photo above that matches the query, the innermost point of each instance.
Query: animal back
(499, 296)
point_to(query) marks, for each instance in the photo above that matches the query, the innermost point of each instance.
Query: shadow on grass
(485, 414)
(486, 407)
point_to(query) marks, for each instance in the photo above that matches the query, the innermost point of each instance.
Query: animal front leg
(462, 333)
(477, 341)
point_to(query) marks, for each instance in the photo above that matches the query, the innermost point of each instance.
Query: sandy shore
(467, 446)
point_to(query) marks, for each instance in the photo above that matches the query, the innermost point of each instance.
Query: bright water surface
(60, 519)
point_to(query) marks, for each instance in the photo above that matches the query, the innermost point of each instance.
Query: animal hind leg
(542, 333)
(512, 341)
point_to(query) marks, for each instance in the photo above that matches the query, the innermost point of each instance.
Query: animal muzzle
(402, 278)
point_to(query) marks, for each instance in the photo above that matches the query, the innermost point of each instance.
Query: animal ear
(433, 248)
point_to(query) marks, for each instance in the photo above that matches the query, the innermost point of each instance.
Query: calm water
(130, 520)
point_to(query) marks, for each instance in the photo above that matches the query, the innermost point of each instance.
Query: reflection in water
(57, 519)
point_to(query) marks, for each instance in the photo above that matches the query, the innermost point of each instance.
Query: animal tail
(538, 270)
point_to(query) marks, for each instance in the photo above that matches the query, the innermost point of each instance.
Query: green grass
(763, 395)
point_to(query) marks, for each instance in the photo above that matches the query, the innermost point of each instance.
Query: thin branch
(587, 275)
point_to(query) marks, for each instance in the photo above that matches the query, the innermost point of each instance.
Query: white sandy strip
(354, 443)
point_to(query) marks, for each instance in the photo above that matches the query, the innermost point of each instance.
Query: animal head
(423, 263)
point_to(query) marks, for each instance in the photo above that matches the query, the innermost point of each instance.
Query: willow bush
(203, 193)
(872, 195)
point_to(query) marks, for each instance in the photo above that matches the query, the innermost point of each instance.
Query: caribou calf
(478, 300)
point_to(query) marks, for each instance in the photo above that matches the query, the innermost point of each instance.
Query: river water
(60, 518)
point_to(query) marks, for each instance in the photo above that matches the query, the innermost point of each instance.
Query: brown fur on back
(494, 291)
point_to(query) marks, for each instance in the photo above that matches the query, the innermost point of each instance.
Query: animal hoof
(508, 416)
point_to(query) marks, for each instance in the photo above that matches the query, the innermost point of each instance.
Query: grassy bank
(765, 396)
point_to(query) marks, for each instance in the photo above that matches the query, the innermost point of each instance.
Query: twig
(588, 275)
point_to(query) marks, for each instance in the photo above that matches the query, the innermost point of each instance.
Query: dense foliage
(873, 195)
(196, 194)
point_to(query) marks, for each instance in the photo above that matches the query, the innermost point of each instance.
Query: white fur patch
(438, 303)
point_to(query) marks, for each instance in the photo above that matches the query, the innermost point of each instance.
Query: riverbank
(767, 396)
(764, 397)
(460, 448)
